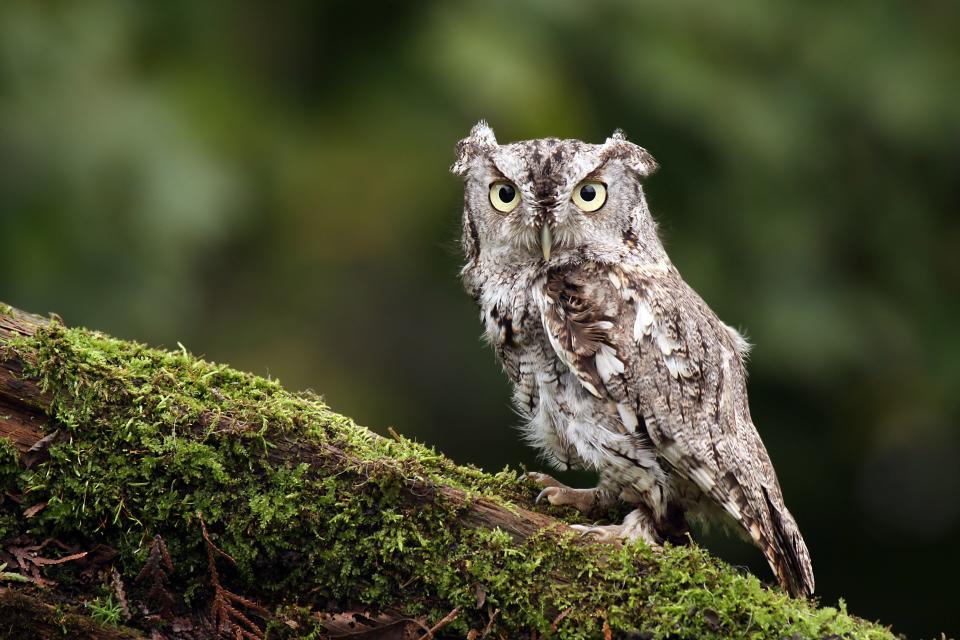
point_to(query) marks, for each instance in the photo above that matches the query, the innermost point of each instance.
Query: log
(27, 616)
(150, 493)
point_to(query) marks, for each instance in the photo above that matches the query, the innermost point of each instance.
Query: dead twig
(30, 512)
(120, 592)
(556, 621)
(30, 561)
(227, 618)
(158, 569)
(479, 635)
(486, 629)
(444, 621)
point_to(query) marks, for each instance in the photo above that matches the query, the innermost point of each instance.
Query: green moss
(10, 523)
(9, 464)
(154, 438)
(6, 310)
(105, 610)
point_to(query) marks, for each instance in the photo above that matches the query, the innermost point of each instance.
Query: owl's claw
(636, 525)
(583, 500)
(601, 533)
(559, 494)
(544, 480)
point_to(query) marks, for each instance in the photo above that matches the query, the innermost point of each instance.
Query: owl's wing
(642, 338)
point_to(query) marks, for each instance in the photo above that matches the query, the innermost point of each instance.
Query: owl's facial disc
(549, 199)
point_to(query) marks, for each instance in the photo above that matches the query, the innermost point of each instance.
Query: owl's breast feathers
(640, 337)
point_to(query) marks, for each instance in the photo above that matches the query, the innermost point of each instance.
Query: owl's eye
(504, 196)
(590, 195)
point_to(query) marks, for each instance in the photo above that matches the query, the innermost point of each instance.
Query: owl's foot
(637, 525)
(544, 480)
(559, 494)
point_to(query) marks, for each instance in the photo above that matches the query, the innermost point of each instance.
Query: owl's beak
(546, 240)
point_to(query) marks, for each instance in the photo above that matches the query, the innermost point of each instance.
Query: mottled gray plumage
(618, 365)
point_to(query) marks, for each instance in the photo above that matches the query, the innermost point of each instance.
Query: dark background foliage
(267, 185)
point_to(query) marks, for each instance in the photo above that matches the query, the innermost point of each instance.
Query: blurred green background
(268, 185)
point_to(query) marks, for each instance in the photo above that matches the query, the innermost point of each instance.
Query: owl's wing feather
(644, 339)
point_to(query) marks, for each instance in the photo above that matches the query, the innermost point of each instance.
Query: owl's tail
(784, 548)
(765, 518)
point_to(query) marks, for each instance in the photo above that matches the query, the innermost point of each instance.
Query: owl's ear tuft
(636, 158)
(480, 142)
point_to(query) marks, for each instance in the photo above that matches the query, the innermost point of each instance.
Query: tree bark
(27, 616)
(505, 568)
(21, 402)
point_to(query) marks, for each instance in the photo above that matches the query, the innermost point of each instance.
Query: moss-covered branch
(311, 518)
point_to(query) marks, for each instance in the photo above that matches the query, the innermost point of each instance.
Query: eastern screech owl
(618, 366)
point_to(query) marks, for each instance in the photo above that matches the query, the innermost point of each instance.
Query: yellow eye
(504, 196)
(590, 195)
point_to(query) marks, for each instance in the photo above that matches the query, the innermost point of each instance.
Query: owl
(617, 365)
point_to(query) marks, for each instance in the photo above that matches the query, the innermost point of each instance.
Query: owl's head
(550, 200)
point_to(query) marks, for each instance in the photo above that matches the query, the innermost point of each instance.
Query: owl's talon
(559, 494)
(543, 479)
(635, 526)
(601, 533)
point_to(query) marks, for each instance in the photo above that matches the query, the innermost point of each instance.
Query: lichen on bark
(318, 513)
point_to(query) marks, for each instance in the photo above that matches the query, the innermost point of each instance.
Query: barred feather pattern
(618, 366)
